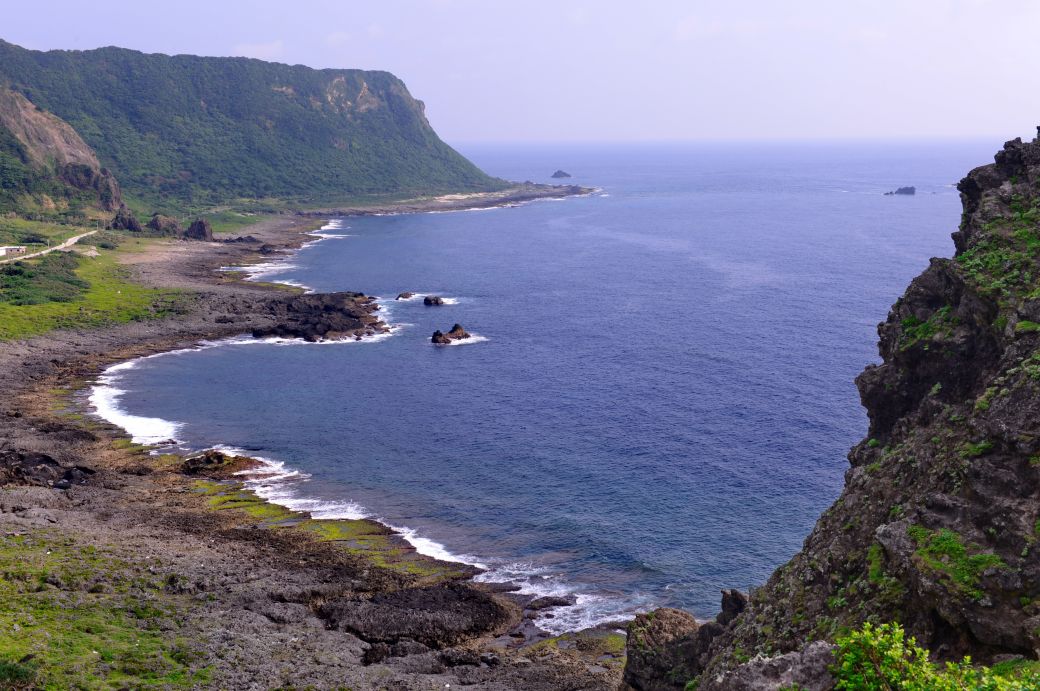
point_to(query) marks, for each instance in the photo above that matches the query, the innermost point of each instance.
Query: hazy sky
(550, 70)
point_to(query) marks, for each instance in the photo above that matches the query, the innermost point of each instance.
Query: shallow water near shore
(659, 398)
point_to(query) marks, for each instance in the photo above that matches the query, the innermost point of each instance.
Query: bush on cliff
(882, 658)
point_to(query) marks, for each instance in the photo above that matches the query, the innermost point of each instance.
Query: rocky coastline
(263, 595)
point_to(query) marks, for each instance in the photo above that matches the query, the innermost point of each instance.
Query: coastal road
(65, 245)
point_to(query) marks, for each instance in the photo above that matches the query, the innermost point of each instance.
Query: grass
(229, 221)
(36, 235)
(108, 298)
(74, 616)
(946, 553)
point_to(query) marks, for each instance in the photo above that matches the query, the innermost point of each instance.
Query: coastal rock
(124, 220)
(165, 225)
(267, 249)
(32, 468)
(911, 190)
(213, 463)
(437, 616)
(322, 316)
(457, 333)
(243, 238)
(433, 300)
(652, 650)
(199, 230)
(547, 601)
(561, 174)
(807, 670)
(407, 295)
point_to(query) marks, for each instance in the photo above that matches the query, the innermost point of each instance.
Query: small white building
(12, 250)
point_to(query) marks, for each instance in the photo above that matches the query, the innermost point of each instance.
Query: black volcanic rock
(908, 191)
(165, 225)
(124, 220)
(561, 174)
(406, 295)
(250, 239)
(433, 300)
(199, 230)
(457, 333)
(322, 316)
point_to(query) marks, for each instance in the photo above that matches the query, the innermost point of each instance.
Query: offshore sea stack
(457, 333)
(938, 524)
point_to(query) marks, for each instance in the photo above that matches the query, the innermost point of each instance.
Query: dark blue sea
(660, 399)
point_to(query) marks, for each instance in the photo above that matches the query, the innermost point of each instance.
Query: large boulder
(457, 333)
(165, 225)
(124, 220)
(406, 295)
(433, 300)
(653, 655)
(199, 230)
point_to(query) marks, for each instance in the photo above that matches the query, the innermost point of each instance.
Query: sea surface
(659, 396)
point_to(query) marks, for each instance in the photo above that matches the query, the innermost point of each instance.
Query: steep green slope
(46, 169)
(213, 129)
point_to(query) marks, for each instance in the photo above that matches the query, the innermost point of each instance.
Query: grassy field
(77, 617)
(35, 234)
(103, 294)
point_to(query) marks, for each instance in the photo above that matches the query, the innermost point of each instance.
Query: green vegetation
(39, 295)
(209, 130)
(974, 450)
(915, 330)
(882, 658)
(77, 617)
(1026, 326)
(945, 552)
(51, 278)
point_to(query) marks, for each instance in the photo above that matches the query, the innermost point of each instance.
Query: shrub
(882, 658)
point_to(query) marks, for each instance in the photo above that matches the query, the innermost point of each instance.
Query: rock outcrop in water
(938, 524)
(457, 333)
(908, 191)
(561, 174)
(433, 300)
(323, 316)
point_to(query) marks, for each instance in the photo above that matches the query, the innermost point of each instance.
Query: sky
(605, 70)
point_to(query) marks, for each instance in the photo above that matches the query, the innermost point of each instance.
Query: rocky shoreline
(263, 595)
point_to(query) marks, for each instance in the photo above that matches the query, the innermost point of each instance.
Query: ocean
(659, 396)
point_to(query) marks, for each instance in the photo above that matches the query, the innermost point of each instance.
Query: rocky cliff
(938, 524)
(44, 163)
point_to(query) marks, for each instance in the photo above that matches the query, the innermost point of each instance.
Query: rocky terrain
(938, 524)
(119, 565)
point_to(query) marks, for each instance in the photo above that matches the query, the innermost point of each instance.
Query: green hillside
(207, 130)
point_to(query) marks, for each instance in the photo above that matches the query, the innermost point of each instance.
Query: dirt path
(65, 245)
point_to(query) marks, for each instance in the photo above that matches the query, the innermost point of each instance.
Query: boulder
(406, 295)
(457, 333)
(165, 225)
(653, 653)
(561, 174)
(124, 220)
(199, 230)
(433, 300)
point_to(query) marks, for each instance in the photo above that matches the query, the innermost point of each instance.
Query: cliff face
(44, 162)
(213, 129)
(938, 524)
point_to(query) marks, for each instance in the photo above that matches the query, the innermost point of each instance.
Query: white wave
(473, 338)
(431, 548)
(605, 194)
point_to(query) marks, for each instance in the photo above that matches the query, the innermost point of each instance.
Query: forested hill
(213, 129)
